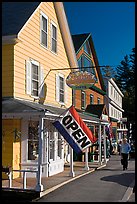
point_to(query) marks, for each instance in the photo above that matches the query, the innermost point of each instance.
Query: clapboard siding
(30, 47)
(7, 70)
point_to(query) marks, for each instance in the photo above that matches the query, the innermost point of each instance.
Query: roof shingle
(15, 15)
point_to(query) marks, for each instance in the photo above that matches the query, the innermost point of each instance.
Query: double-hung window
(34, 79)
(60, 88)
(44, 30)
(53, 37)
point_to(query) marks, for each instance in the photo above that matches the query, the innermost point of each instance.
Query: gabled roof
(78, 41)
(15, 15)
(96, 109)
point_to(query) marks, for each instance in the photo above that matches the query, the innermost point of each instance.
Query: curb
(128, 192)
(68, 181)
(65, 182)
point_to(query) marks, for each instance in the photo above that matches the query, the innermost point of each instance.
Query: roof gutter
(66, 36)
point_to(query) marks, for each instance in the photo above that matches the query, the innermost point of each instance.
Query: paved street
(108, 184)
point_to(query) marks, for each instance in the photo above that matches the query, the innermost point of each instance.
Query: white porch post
(86, 160)
(99, 137)
(39, 186)
(47, 153)
(104, 135)
(71, 163)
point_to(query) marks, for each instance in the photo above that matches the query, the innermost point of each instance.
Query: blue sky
(111, 24)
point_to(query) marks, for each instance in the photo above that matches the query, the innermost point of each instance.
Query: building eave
(10, 39)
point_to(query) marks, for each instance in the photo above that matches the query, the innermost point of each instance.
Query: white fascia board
(116, 87)
(116, 106)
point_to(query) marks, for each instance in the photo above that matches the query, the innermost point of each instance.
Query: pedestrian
(125, 149)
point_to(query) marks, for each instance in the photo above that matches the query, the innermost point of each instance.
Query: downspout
(69, 47)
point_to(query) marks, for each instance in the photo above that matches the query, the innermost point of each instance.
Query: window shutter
(41, 82)
(57, 88)
(28, 77)
(65, 91)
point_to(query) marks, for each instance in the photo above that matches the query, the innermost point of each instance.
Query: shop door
(56, 153)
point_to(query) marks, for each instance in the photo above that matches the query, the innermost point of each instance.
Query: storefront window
(33, 140)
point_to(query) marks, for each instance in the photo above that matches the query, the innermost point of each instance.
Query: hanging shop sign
(74, 130)
(80, 80)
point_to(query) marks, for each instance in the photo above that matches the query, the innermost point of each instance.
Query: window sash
(61, 89)
(35, 79)
(84, 61)
(44, 30)
(53, 38)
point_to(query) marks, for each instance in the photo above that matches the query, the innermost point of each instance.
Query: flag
(74, 130)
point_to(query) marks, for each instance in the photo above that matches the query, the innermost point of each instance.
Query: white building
(113, 101)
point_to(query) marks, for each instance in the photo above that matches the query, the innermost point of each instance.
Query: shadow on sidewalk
(124, 179)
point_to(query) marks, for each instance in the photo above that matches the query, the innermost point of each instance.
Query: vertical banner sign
(74, 130)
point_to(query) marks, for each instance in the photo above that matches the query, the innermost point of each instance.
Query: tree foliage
(125, 80)
(108, 72)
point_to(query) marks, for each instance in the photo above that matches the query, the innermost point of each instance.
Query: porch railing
(10, 177)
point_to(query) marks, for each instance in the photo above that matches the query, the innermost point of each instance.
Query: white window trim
(58, 88)
(52, 23)
(40, 79)
(37, 64)
(45, 16)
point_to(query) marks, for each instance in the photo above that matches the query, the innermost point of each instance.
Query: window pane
(44, 38)
(35, 69)
(54, 39)
(35, 80)
(35, 85)
(87, 48)
(33, 140)
(87, 63)
(54, 45)
(34, 92)
(61, 89)
(54, 32)
(44, 24)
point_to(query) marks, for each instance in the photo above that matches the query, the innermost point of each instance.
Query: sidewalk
(53, 182)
